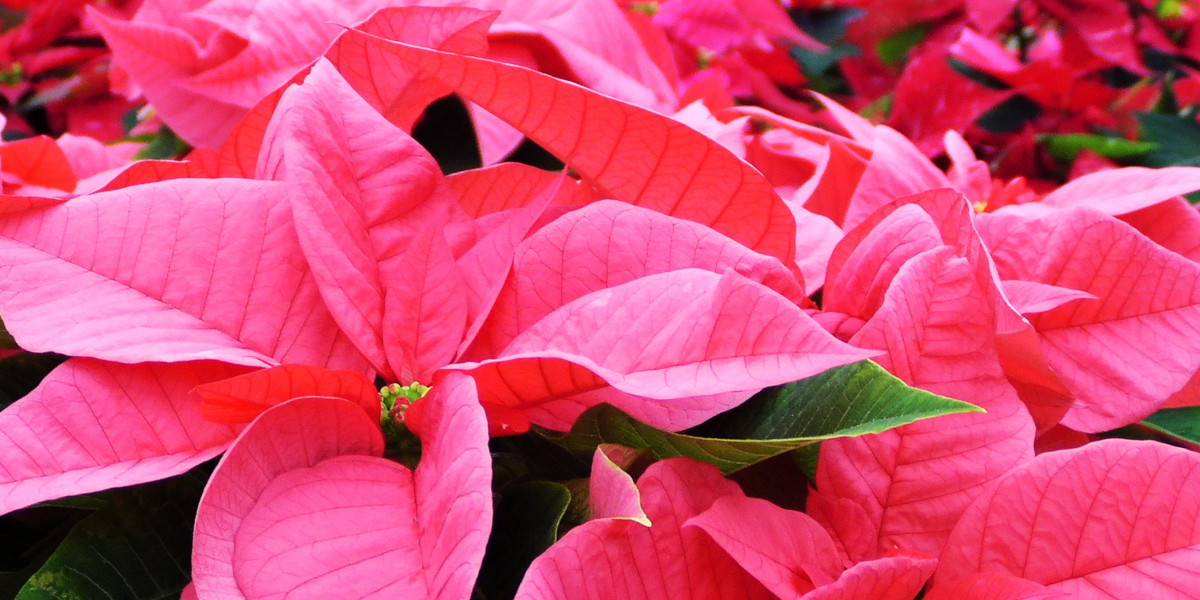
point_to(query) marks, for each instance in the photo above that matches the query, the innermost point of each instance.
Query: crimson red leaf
(241, 399)
(390, 87)
(630, 153)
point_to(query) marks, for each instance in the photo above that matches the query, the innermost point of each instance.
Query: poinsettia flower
(373, 528)
(573, 357)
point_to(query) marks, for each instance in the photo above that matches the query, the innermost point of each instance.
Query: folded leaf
(93, 425)
(370, 212)
(129, 276)
(887, 578)
(913, 482)
(844, 401)
(37, 161)
(786, 551)
(393, 90)
(612, 493)
(1173, 224)
(897, 168)
(992, 586)
(240, 399)
(1121, 191)
(629, 153)
(676, 348)
(621, 558)
(377, 529)
(1124, 353)
(590, 249)
(1115, 518)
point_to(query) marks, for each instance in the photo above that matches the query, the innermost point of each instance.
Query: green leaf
(164, 145)
(1178, 140)
(895, 47)
(827, 25)
(1180, 424)
(136, 548)
(847, 401)
(1066, 147)
(526, 523)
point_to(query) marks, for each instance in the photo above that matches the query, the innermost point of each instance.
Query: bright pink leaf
(370, 214)
(597, 44)
(241, 399)
(1030, 297)
(794, 557)
(612, 493)
(162, 57)
(203, 67)
(1124, 353)
(865, 263)
(938, 328)
(1115, 518)
(831, 187)
(1121, 191)
(128, 276)
(897, 168)
(590, 249)
(377, 529)
(887, 578)
(620, 558)
(630, 153)
(787, 551)
(1174, 225)
(992, 586)
(676, 348)
(93, 425)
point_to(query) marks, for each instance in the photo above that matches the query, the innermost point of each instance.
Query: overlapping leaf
(1112, 519)
(648, 159)
(129, 275)
(92, 425)
(846, 401)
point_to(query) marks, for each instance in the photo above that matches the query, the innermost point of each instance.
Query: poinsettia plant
(677, 331)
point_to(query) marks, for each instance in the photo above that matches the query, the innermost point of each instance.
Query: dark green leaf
(166, 145)
(1009, 116)
(136, 548)
(895, 47)
(1066, 147)
(1178, 140)
(848, 401)
(827, 26)
(817, 62)
(525, 525)
(1180, 424)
